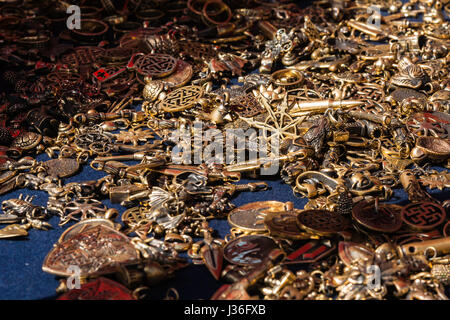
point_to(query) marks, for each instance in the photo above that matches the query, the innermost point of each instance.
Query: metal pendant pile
(175, 102)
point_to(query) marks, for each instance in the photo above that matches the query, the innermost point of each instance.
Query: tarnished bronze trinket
(97, 250)
(378, 217)
(322, 222)
(249, 250)
(423, 215)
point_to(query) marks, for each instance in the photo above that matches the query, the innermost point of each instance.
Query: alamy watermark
(238, 147)
(74, 20)
(374, 279)
(73, 282)
(375, 16)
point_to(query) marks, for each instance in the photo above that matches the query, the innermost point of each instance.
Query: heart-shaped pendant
(95, 251)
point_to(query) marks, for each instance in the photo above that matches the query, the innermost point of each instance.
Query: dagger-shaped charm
(212, 255)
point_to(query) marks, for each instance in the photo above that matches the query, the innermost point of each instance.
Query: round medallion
(182, 98)
(423, 215)
(250, 217)
(181, 75)
(155, 65)
(60, 77)
(134, 217)
(83, 56)
(384, 218)
(322, 222)
(284, 225)
(249, 250)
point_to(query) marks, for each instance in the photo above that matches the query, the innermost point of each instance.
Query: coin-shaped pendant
(381, 218)
(250, 217)
(284, 225)
(322, 222)
(181, 75)
(155, 65)
(423, 215)
(249, 250)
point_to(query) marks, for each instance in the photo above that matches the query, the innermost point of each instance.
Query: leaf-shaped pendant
(13, 231)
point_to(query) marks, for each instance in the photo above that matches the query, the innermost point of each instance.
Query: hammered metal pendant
(96, 251)
(250, 217)
(61, 168)
(249, 250)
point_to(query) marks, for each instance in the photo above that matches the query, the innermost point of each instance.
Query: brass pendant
(97, 250)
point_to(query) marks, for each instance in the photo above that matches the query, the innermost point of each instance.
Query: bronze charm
(322, 222)
(250, 217)
(378, 217)
(423, 215)
(97, 250)
(249, 250)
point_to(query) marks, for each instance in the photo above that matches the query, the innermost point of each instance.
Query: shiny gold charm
(182, 98)
(250, 218)
(13, 231)
(439, 180)
(410, 75)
